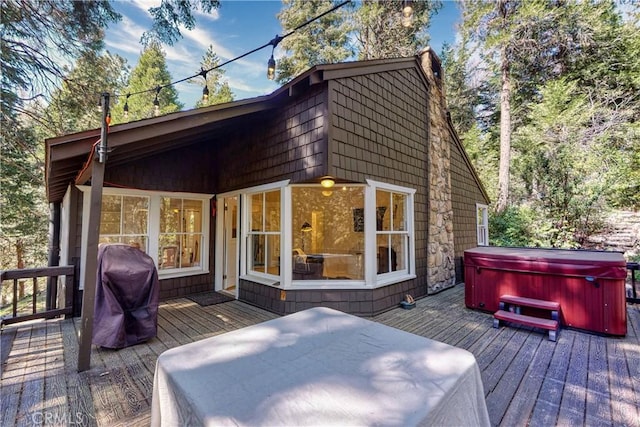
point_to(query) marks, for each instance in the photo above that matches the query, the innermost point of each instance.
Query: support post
(91, 249)
(54, 254)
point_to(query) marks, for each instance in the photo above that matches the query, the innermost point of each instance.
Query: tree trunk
(505, 133)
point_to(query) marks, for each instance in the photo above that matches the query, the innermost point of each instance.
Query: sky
(235, 28)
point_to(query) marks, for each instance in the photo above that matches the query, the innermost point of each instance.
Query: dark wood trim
(49, 314)
(28, 273)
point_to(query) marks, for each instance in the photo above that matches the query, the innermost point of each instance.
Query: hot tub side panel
(596, 305)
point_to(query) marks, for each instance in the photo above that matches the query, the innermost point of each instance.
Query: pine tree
(218, 90)
(380, 32)
(321, 42)
(149, 75)
(372, 30)
(73, 106)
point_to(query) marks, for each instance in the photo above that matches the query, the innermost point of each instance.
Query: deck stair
(511, 311)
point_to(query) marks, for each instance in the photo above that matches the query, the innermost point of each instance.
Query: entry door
(230, 247)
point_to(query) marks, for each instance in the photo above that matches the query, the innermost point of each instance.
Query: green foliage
(371, 29)
(170, 15)
(33, 29)
(151, 72)
(518, 226)
(73, 106)
(23, 213)
(379, 32)
(575, 109)
(219, 90)
(320, 42)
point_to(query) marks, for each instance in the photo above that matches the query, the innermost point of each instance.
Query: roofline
(458, 142)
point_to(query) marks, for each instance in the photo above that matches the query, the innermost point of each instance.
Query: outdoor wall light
(327, 182)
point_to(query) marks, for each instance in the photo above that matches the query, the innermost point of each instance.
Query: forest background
(545, 96)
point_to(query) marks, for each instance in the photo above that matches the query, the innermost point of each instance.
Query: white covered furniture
(317, 367)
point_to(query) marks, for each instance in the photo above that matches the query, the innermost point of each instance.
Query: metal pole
(91, 249)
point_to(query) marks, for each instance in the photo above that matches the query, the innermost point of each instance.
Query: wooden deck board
(581, 379)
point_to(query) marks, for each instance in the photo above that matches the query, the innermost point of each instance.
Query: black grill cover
(126, 304)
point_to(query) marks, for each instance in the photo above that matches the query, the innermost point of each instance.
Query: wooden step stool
(510, 311)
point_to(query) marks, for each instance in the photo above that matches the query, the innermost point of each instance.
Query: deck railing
(51, 310)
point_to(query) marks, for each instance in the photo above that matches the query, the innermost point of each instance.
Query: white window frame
(284, 281)
(245, 215)
(318, 284)
(153, 224)
(482, 224)
(371, 272)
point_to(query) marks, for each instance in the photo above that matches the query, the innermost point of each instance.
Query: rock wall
(441, 267)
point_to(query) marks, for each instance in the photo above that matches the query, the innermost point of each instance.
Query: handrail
(34, 273)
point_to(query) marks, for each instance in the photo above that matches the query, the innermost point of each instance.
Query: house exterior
(345, 188)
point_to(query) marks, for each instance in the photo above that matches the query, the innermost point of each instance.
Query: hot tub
(589, 285)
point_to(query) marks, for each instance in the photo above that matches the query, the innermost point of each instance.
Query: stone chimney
(441, 266)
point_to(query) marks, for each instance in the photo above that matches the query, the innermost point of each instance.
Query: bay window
(327, 233)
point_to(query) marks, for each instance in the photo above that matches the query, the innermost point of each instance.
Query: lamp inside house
(327, 182)
(306, 227)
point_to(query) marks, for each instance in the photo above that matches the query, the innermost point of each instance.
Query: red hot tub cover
(605, 265)
(589, 285)
(127, 293)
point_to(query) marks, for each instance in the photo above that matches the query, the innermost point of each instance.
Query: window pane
(273, 254)
(257, 212)
(383, 213)
(399, 212)
(190, 253)
(169, 251)
(135, 210)
(111, 214)
(328, 233)
(257, 252)
(398, 251)
(192, 216)
(272, 211)
(170, 210)
(385, 260)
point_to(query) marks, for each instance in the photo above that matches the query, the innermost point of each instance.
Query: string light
(126, 106)
(205, 91)
(271, 68)
(156, 103)
(407, 13)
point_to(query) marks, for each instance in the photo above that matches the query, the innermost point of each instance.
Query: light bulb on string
(126, 107)
(407, 13)
(156, 102)
(205, 89)
(271, 68)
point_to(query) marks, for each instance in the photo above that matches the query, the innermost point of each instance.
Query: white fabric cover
(318, 367)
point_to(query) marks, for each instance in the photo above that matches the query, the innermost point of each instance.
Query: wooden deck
(581, 379)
